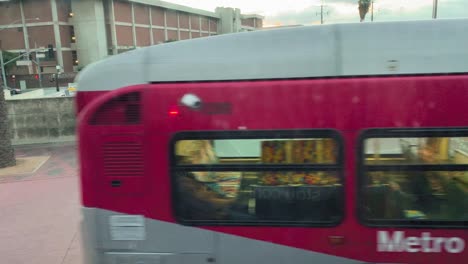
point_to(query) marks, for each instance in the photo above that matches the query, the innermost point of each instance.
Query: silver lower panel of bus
(158, 242)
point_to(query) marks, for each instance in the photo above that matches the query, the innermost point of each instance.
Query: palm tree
(363, 8)
(7, 153)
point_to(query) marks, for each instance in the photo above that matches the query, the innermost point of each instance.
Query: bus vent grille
(122, 110)
(123, 159)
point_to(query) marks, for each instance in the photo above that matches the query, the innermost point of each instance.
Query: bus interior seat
(376, 201)
(311, 203)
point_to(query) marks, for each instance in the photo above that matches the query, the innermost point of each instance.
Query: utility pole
(321, 13)
(372, 11)
(434, 9)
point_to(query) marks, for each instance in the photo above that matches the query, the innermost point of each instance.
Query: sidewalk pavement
(39, 211)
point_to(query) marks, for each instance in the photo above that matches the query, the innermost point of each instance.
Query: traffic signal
(50, 51)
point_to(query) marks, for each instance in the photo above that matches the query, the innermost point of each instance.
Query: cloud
(311, 14)
(341, 11)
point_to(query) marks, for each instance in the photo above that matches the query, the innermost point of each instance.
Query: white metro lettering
(397, 242)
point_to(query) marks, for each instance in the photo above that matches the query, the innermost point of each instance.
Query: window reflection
(257, 151)
(263, 195)
(427, 150)
(415, 178)
(431, 195)
(243, 196)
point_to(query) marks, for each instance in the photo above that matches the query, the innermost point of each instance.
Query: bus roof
(357, 49)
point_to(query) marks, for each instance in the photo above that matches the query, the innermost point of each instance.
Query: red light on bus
(336, 240)
(173, 111)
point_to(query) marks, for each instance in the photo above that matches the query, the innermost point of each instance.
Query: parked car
(14, 91)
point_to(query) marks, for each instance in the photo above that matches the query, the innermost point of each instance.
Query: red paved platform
(39, 212)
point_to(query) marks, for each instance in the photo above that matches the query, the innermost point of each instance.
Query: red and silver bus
(323, 144)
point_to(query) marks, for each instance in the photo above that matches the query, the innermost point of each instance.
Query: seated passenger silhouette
(203, 195)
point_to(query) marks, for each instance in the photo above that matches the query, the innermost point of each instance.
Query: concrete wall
(230, 20)
(47, 120)
(32, 82)
(90, 30)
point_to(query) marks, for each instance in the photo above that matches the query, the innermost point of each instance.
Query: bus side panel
(343, 104)
(116, 159)
(347, 105)
(83, 98)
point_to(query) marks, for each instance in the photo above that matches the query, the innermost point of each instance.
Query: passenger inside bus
(205, 194)
(437, 194)
(262, 195)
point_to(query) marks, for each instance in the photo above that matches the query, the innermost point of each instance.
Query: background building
(73, 34)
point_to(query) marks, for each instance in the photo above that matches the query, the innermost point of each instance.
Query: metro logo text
(397, 242)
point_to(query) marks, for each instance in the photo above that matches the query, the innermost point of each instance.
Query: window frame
(338, 167)
(363, 169)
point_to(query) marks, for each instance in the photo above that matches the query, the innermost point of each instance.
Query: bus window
(258, 178)
(414, 177)
(423, 150)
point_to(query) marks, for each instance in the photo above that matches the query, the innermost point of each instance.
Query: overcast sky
(306, 12)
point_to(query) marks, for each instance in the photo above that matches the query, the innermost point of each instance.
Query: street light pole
(38, 64)
(2, 63)
(5, 86)
(434, 9)
(57, 78)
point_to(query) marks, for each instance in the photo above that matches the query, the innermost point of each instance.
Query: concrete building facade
(31, 25)
(73, 34)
